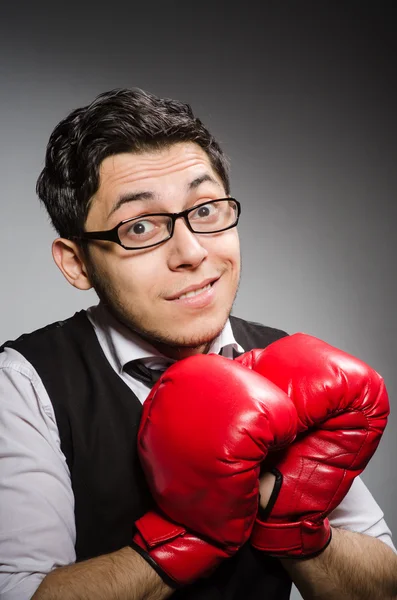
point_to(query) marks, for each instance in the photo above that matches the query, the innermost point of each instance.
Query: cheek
(135, 275)
(227, 248)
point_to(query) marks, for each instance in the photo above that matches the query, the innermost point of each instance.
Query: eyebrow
(199, 180)
(132, 197)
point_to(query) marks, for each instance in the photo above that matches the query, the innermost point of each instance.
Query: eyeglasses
(153, 229)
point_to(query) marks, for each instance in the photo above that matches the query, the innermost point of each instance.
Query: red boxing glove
(342, 406)
(178, 556)
(206, 427)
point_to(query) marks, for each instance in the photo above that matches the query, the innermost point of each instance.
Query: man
(138, 191)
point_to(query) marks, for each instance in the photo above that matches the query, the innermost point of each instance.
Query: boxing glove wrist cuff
(177, 555)
(301, 539)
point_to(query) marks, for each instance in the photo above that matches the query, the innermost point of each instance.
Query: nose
(185, 249)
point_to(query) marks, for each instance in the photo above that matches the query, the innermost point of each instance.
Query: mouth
(194, 290)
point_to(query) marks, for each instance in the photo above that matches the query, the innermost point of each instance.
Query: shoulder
(26, 360)
(47, 332)
(250, 334)
(21, 387)
(14, 364)
(254, 326)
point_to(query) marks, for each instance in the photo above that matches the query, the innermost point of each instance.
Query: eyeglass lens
(151, 229)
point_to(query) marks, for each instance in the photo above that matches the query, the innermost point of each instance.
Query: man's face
(143, 287)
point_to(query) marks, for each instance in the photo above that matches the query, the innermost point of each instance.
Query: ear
(69, 258)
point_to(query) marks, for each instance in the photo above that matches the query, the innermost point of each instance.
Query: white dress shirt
(37, 526)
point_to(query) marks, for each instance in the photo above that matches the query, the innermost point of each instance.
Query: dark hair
(120, 120)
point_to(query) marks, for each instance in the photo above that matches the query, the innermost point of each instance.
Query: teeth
(195, 292)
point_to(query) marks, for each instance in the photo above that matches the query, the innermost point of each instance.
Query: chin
(195, 335)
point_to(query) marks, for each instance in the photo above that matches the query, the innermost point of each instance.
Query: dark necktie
(138, 370)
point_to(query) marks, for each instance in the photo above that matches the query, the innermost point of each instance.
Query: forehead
(176, 163)
(164, 174)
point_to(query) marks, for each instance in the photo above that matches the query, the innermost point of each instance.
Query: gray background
(302, 97)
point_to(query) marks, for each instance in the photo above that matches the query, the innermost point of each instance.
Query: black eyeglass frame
(111, 235)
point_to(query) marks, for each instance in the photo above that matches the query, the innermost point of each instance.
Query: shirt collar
(225, 342)
(121, 345)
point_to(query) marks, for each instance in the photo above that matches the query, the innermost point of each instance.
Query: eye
(140, 228)
(139, 232)
(204, 211)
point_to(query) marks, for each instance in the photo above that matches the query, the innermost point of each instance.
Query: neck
(177, 353)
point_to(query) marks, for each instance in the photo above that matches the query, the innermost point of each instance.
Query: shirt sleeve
(37, 527)
(360, 512)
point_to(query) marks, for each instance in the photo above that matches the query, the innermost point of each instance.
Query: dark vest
(98, 418)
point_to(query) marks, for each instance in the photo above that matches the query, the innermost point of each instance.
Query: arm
(359, 512)
(356, 560)
(37, 527)
(314, 475)
(122, 575)
(354, 566)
